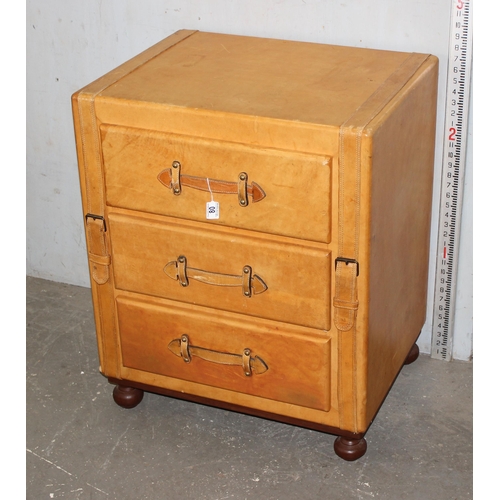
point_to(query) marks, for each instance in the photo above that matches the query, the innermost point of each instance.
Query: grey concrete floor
(81, 445)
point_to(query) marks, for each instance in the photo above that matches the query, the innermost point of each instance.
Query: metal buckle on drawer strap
(176, 178)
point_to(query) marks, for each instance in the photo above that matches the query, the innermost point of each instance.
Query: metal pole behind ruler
(454, 155)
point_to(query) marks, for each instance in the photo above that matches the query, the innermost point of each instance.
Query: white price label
(212, 210)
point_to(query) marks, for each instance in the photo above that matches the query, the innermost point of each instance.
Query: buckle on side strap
(348, 261)
(96, 217)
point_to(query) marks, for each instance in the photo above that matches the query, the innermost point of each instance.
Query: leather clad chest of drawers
(302, 301)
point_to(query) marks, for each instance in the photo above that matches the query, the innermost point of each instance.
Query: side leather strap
(95, 226)
(98, 252)
(250, 283)
(250, 364)
(174, 180)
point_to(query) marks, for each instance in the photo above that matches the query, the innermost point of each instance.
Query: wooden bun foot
(127, 397)
(412, 355)
(350, 449)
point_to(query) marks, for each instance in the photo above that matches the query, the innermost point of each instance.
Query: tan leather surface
(292, 81)
(217, 125)
(400, 230)
(302, 278)
(297, 186)
(147, 329)
(355, 156)
(330, 134)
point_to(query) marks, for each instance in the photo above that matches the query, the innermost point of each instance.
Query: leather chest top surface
(305, 82)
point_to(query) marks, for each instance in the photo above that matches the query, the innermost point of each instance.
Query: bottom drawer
(228, 353)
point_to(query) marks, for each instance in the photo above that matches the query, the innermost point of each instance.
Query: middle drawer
(230, 270)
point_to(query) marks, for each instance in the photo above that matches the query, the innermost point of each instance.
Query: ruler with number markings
(452, 180)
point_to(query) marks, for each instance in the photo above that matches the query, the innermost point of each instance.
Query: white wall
(70, 43)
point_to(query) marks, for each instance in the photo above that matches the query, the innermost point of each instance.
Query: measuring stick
(452, 180)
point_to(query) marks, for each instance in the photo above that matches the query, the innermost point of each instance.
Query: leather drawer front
(297, 366)
(298, 277)
(297, 186)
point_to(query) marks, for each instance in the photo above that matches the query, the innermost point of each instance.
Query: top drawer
(286, 193)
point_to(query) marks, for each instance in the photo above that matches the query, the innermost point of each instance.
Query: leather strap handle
(249, 282)
(250, 364)
(174, 180)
